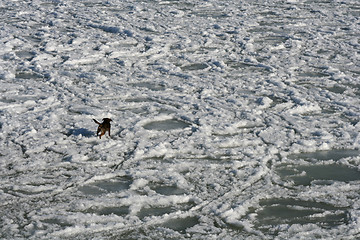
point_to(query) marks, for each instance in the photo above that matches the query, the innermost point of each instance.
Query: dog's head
(107, 120)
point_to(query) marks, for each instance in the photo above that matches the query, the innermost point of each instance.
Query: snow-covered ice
(231, 119)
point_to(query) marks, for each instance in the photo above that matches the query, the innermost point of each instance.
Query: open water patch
(168, 190)
(139, 100)
(317, 173)
(181, 224)
(248, 66)
(336, 89)
(194, 67)
(279, 211)
(57, 221)
(150, 211)
(26, 55)
(320, 168)
(166, 125)
(106, 186)
(154, 211)
(116, 210)
(28, 75)
(150, 85)
(334, 154)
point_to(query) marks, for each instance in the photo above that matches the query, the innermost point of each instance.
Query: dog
(103, 127)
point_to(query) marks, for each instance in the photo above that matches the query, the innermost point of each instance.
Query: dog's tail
(96, 121)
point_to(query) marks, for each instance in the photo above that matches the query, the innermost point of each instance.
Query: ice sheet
(231, 119)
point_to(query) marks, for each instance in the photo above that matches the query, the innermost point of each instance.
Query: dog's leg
(98, 131)
(102, 134)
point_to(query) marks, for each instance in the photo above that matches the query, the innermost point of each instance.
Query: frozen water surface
(231, 119)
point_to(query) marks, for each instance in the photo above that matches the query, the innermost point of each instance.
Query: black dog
(103, 127)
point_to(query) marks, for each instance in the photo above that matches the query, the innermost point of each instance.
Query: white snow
(231, 119)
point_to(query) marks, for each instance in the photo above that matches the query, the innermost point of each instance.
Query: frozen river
(231, 119)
